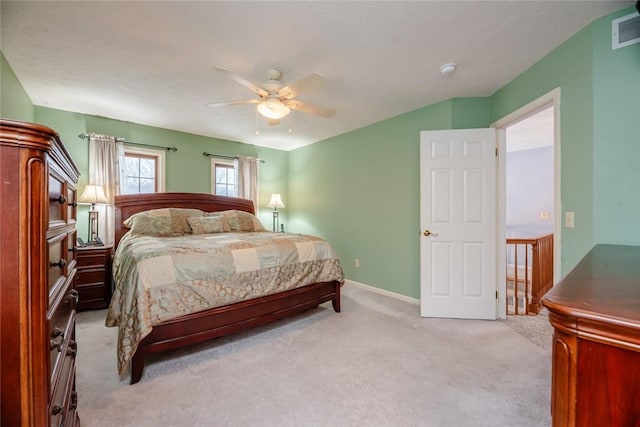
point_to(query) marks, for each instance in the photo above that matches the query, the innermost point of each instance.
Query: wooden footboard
(217, 322)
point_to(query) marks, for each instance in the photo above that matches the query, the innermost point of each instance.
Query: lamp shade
(273, 108)
(275, 202)
(93, 194)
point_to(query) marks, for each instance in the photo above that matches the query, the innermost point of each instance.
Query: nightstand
(94, 277)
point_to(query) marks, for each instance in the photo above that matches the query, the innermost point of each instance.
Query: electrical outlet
(357, 263)
(569, 220)
(545, 215)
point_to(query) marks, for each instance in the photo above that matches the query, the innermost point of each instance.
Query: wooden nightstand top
(96, 248)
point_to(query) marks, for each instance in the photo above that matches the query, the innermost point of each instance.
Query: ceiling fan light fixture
(273, 108)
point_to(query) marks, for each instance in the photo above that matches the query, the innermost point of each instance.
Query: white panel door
(458, 216)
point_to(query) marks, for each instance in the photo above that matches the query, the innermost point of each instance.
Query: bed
(199, 320)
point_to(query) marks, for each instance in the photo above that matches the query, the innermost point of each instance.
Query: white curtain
(105, 168)
(248, 179)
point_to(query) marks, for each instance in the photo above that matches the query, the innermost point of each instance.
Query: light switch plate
(569, 220)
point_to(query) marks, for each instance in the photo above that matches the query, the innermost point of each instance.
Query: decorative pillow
(223, 219)
(249, 222)
(162, 222)
(240, 220)
(206, 224)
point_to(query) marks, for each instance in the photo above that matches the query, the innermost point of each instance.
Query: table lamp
(93, 194)
(275, 203)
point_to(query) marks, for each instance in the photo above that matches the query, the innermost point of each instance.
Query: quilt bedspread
(160, 278)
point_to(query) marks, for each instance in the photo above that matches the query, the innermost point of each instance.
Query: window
(224, 178)
(143, 171)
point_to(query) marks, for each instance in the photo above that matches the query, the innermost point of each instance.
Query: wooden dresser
(595, 312)
(38, 271)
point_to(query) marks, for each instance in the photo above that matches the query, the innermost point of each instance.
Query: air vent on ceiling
(625, 30)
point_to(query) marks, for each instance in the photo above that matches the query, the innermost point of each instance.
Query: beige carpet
(375, 364)
(536, 329)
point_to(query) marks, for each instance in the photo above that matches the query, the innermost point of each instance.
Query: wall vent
(625, 30)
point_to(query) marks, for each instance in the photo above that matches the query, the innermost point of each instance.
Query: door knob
(427, 233)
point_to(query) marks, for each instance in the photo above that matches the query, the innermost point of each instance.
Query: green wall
(187, 170)
(600, 134)
(14, 101)
(360, 191)
(616, 139)
(570, 68)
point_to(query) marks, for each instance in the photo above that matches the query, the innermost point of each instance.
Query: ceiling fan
(275, 100)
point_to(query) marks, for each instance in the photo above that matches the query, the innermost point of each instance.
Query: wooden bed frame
(216, 322)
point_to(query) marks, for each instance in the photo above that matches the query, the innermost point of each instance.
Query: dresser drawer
(57, 201)
(90, 277)
(57, 262)
(64, 400)
(61, 319)
(93, 296)
(71, 248)
(72, 202)
(91, 259)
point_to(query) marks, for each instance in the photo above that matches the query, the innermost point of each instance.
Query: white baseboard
(384, 292)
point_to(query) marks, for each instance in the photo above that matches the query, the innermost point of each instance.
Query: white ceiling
(152, 62)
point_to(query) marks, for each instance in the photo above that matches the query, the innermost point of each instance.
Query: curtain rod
(85, 136)
(220, 156)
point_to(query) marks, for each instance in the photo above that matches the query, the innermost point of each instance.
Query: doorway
(529, 199)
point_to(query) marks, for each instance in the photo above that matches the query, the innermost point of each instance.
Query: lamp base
(97, 242)
(93, 238)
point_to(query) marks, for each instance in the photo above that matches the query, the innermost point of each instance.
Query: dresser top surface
(604, 286)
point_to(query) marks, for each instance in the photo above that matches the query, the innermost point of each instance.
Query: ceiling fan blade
(308, 108)
(244, 82)
(224, 104)
(305, 84)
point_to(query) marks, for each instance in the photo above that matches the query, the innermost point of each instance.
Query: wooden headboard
(130, 204)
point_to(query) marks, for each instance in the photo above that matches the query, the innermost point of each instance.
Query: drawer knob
(54, 344)
(57, 409)
(73, 249)
(61, 264)
(61, 199)
(74, 401)
(73, 204)
(72, 352)
(57, 332)
(72, 296)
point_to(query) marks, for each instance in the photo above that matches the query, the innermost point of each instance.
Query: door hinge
(496, 294)
(496, 151)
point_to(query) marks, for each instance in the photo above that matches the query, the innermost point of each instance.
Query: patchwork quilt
(160, 278)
